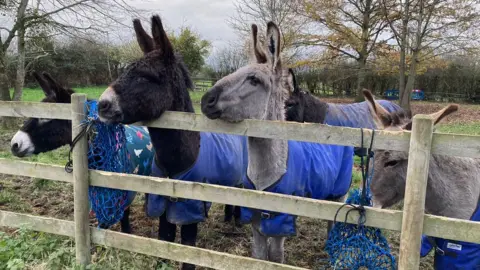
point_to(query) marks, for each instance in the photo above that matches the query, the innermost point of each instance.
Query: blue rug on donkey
(356, 115)
(329, 179)
(453, 255)
(221, 161)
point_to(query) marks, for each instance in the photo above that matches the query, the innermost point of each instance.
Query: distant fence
(420, 143)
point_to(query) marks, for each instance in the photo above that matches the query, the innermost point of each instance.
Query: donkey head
(43, 135)
(253, 91)
(388, 183)
(295, 105)
(157, 82)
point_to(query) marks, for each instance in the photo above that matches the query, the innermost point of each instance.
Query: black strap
(365, 168)
(440, 251)
(86, 127)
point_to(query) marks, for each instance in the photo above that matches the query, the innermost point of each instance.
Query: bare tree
(426, 28)
(228, 60)
(261, 12)
(67, 17)
(349, 28)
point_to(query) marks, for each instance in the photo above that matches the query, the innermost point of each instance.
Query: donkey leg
(166, 230)
(189, 237)
(228, 211)
(276, 249)
(125, 222)
(237, 215)
(260, 245)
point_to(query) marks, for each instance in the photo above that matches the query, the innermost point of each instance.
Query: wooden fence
(412, 222)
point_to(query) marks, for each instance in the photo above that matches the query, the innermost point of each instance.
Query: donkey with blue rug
(453, 188)
(302, 106)
(44, 135)
(257, 91)
(156, 83)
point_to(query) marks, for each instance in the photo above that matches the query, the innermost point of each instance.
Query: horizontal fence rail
(407, 221)
(442, 144)
(147, 246)
(454, 229)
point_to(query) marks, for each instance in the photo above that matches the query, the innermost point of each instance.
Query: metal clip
(265, 215)
(439, 251)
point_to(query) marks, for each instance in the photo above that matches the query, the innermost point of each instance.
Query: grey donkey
(257, 91)
(453, 188)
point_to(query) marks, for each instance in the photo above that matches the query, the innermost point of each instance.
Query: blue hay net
(355, 246)
(107, 151)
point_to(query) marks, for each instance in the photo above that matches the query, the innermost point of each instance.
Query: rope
(86, 128)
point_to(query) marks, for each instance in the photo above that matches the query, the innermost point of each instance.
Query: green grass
(36, 94)
(24, 249)
(469, 129)
(94, 92)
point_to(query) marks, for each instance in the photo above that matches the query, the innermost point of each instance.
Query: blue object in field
(418, 94)
(221, 161)
(392, 94)
(317, 171)
(452, 255)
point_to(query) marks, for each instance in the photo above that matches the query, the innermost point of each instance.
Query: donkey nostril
(212, 100)
(104, 106)
(15, 147)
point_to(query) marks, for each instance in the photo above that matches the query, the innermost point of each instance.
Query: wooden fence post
(415, 190)
(80, 183)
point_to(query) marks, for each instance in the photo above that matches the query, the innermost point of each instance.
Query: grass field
(22, 249)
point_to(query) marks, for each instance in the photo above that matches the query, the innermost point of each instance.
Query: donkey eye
(391, 163)
(253, 80)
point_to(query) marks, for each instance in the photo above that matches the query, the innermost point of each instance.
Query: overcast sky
(207, 17)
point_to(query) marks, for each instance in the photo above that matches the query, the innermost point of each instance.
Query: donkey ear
(438, 116)
(381, 117)
(143, 39)
(273, 46)
(259, 53)
(292, 78)
(44, 85)
(160, 39)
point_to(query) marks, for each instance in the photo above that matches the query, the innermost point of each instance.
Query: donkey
(453, 187)
(257, 91)
(44, 135)
(158, 82)
(302, 106)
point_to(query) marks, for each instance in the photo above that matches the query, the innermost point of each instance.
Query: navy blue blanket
(355, 115)
(458, 254)
(222, 161)
(313, 170)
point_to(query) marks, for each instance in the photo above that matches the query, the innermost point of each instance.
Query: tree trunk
(404, 95)
(362, 73)
(363, 53)
(6, 122)
(4, 87)
(20, 79)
